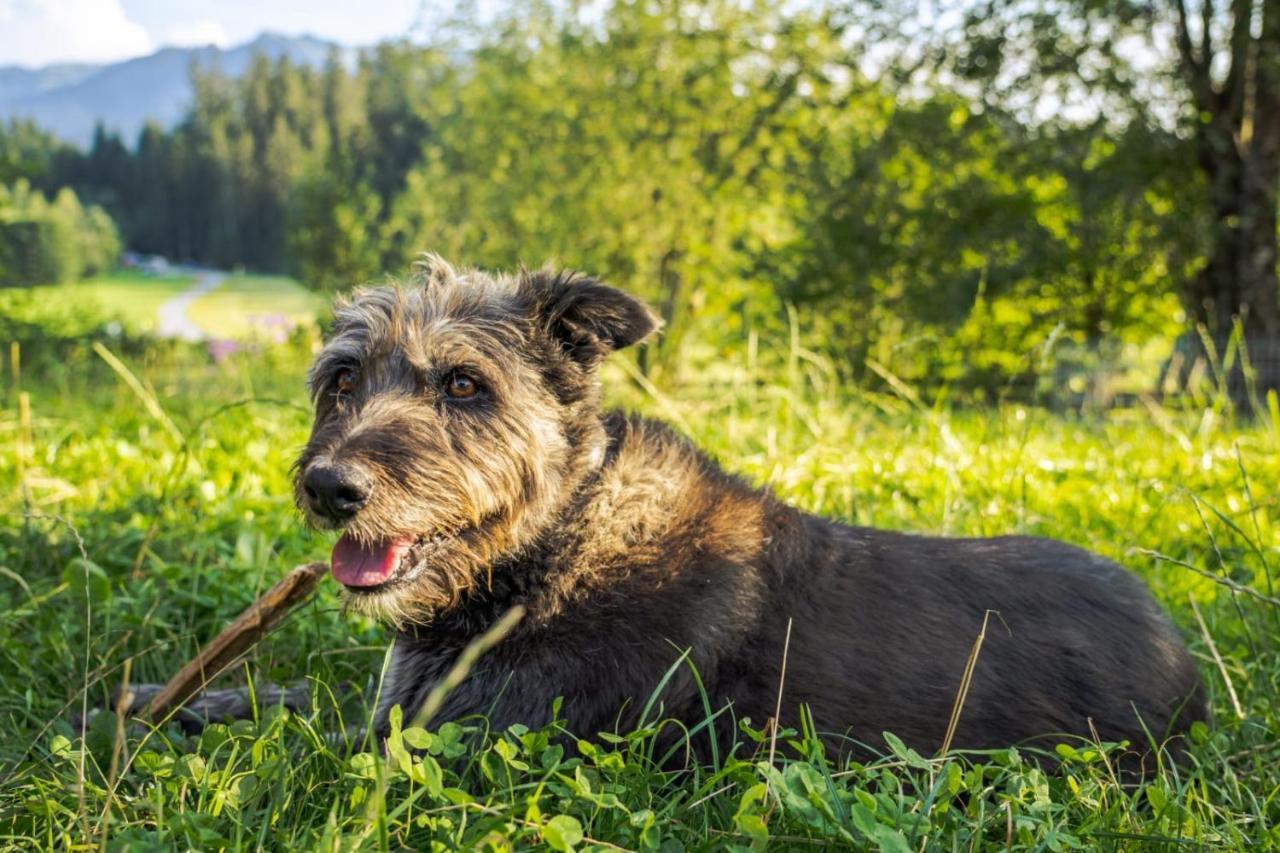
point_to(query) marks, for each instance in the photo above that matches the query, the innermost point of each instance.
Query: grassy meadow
(254, 306)
(128, 297)
(243, 306)
(146, 504)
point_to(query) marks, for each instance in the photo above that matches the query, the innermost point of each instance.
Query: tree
(1207, 71)
(1233, 74)
(658, 145)
(27, 152)
(729, 161)
(43, 242)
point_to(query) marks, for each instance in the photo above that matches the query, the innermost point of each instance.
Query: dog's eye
(345, 380)
(460, 386)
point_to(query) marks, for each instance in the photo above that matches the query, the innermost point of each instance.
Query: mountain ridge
(71, 99)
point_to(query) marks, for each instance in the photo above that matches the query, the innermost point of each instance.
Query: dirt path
(173, 321)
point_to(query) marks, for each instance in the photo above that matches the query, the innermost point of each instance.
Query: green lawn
(242, 306)
(130, 297)
(135, 532)
(254, 306)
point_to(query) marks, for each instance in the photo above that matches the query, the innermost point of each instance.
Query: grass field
(137, 522)
(242, 306)
(131, 298)
(254, 306)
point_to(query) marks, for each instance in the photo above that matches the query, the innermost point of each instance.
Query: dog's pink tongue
(355, 564)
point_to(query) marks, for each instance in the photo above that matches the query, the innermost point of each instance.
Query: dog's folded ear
(590, 319)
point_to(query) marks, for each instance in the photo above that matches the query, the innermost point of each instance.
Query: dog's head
(454, 416)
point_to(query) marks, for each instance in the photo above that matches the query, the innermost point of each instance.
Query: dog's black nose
(336, 491)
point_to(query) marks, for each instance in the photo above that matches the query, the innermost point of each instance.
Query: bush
(44, 242)
(27, 253)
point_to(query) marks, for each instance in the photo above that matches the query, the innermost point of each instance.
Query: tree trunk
(1259, 184)
(1240, 283)
(1239, 142)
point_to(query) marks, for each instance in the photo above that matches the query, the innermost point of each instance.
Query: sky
(40, 32)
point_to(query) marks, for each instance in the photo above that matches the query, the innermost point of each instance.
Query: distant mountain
(70, 100)
(18, 82)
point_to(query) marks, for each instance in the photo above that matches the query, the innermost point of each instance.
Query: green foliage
(51, 329)
(27, 153)
(1194, 74)
(131, 542)
(58, 241)
(725, 161)
(328, 233)
(656, 147)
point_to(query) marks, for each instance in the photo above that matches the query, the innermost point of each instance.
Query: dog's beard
(404, 560)
(407, 579)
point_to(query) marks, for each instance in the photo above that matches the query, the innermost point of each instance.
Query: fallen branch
(237, 638)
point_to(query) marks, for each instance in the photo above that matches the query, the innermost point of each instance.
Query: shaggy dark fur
(627, 546)
(460, 446)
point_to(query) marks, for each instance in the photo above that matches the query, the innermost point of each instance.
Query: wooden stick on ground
(236, 639)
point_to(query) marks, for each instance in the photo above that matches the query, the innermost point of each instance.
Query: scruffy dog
(460, 446)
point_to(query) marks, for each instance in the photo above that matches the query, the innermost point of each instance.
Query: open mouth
(366, 567)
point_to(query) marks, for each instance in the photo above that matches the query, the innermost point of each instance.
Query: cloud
(197, 34)
(37, 32)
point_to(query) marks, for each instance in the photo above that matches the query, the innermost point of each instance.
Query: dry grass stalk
(965, 681)
(472, 653)
(777, 709)
(1234, 586)
(1217, 659)
(144, 395)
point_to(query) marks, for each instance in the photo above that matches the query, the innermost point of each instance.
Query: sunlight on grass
(247, 306)
(131, 298)
(180, 532)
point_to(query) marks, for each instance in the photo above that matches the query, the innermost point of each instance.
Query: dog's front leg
(211, 706)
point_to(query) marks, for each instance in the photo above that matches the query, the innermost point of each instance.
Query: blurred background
(1064, 202)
